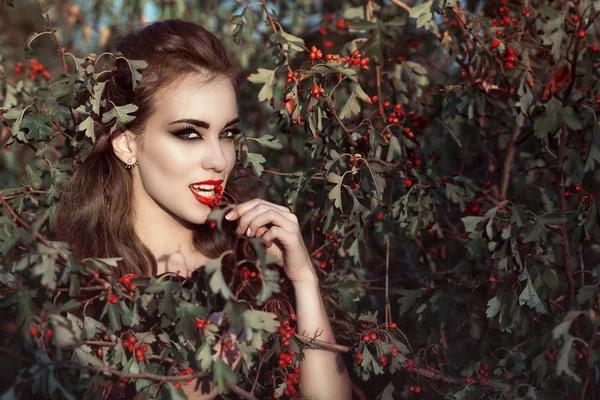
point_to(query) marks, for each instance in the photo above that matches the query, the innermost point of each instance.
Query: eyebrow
(204, 124)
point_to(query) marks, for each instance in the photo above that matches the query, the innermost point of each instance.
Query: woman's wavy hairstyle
(95, 214)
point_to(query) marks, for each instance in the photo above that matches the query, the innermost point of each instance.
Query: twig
(26, 225)
(510, 155)
(401, 5)
(388, 308)
(340, 123)
(323, 344)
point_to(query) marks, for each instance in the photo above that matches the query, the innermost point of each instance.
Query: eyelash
(189, 129)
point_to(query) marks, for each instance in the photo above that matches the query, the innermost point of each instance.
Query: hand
(283, 238)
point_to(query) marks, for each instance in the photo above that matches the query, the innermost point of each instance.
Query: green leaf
(121, 113)
(87, 125)
(394, 149)
(63, 90)
(471, 222)
(351, 107)
(494, 305)
(257, 161)
(204, 356)
(585, 293)
(217, 280)
(268, 141)
(96, 99)
(408, 299)
(530, 297)
(37, 128)
(562, 329)
(267, 77)
(92, 327)
(222, 375)
(114, 316)
(423, 13)
(83, 354)
(47, 270)
(135, 66)
(335, 194)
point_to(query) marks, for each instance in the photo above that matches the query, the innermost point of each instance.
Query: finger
(245, 220)
(288, 239)
(273, 217)
(261, 231)
(243, 208)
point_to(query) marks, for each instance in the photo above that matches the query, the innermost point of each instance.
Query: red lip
(209, 182)
(201, 199)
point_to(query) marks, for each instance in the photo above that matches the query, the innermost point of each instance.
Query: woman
(145, 191)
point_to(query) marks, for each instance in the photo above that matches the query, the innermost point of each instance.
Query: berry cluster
(509, 57)
(291, 75)
(317, 91)
(215, 201)
(356, 60)
(416, 389)
(183, 372)
(246, 273)
(286, 331)
(201, 323)
(131, 343)
(34, 68)
(315, 54)
(126, 281)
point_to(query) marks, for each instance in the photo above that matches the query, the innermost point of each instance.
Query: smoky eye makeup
(189, 132)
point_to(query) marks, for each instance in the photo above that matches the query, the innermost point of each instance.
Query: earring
(129, 165)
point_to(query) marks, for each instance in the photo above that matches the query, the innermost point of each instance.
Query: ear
(125, 146)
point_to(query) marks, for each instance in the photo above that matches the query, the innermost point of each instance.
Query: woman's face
(188, 139)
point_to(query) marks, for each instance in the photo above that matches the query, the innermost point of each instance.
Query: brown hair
(94, 214)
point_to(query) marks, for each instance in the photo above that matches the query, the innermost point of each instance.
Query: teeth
(204, 193)
(203, 187)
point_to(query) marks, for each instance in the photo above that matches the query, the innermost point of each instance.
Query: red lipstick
(209, 201)
(209, 182)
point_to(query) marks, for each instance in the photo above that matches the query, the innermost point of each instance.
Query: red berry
(495, 43)
(49, 333)
(113, 299)
(550, 356)
(500, 207)
(200, 324)
(575, 18)
(100, 352)
(367, 338)
(373, 336)
(132, 287)
(33, 331)
(408, 182)
(393, 325)
(417, 389)
(581, 33)
(383, 359)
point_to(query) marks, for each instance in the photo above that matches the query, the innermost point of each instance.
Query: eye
(231, 133)
(185, 131)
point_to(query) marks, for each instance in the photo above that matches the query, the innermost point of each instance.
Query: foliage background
(474, 225)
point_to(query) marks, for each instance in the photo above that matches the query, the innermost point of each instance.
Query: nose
(215, 159)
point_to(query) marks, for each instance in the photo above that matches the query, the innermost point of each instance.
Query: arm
(323, 374)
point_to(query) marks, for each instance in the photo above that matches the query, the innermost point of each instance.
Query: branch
(563, 207)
